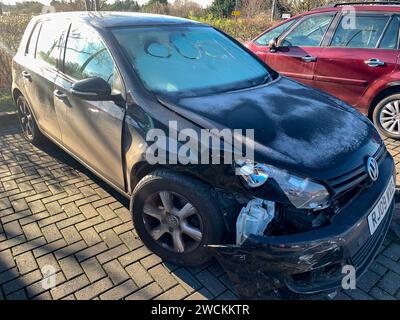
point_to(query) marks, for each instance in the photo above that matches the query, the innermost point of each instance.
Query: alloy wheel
(389, 117)
(173, 222)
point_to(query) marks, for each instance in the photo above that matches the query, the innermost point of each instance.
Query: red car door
(357, 57)
(299, 49)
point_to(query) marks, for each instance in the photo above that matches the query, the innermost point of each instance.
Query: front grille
(362, 258)
(352, 181)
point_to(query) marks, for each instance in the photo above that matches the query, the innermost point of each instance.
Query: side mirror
(92, 89)
(273, 45)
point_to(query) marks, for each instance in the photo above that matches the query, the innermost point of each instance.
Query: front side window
(274, 33)
(309, 32)
(366, 33)
(86, 56)
(189, 60)
(50, 42)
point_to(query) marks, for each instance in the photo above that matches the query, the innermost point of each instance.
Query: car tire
(27, 121)
(386, 114)
(169, 210)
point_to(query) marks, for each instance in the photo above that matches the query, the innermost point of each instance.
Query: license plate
(378, 213)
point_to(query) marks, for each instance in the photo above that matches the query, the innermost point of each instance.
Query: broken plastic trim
(254, 219)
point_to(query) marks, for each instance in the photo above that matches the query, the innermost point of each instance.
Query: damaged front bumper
(309, 264)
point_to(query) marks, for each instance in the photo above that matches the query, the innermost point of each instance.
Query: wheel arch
(16, 93)
(393, 88)
(143, 168)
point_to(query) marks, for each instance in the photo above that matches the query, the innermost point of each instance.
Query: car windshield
(189, 60)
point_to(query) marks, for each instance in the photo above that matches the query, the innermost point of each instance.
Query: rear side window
(366, 34)
(274, 33)
(31, 50)
(50, 42)
(86, 56)
(390, 39)
(309, 32)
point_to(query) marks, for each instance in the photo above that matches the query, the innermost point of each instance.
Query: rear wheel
(386, 116)
(27, 121)
(176, 217)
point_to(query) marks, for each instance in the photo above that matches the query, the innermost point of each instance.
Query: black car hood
(295, 127)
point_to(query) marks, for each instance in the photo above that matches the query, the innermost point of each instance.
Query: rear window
(391, 37)
(366, 33)
(50, 42)
(31, 50)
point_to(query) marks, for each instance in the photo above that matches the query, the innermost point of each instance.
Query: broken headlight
(303, 193)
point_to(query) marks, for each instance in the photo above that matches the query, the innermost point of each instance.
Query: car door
(40, 73)
(358, 56)
(299, 48)
(91, 130)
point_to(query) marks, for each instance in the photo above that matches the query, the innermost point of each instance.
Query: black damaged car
(316, 196)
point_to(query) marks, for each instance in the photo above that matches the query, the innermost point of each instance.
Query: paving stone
(7, 260)
(210, 282)
(51, 233)
(202, 294)
(139, 274)
(48, 260)
(12, 229)
(187, 280)
(90, 236)
(112, 254)
(71, 235)
(380, 294)
(18, 295)
(110, 238)
(378, 268)
(94, 271)
(367, 281)
(121, 291)
(70, 267)
(26, 262)
(69, 287)
(146, 293)
(175, 293)
(21, 282)
(392, 251)
(32, 231)
(390, 282)
(116, 272)
(163, 277)
(94, 289)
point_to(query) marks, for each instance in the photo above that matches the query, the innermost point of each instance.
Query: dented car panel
(310, 264)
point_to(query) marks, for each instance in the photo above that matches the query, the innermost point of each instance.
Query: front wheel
(386, 116)
(177, 217)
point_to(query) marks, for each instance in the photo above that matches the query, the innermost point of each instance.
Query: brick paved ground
(54, 212)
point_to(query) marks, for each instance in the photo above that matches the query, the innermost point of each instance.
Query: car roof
(118, 19)
(358, 7)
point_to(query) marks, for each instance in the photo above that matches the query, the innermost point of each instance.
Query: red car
(351, 52)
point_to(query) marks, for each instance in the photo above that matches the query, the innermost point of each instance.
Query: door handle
(374, 62)
(59, 95)
(26, 75)
(309, 58)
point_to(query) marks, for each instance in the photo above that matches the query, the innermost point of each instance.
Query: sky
(203, 3)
